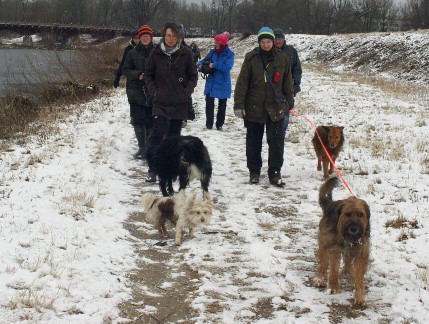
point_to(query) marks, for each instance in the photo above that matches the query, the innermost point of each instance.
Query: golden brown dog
(344, 232)
(333, 139)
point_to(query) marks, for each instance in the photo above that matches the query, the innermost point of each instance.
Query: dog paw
(335, 290)
(319, 282)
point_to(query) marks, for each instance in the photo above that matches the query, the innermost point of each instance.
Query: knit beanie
(265, 32)
(134, 33)
(145, 29)
(222, 39)
(278, 33)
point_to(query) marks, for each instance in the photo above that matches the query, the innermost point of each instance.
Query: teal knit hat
(265, 32)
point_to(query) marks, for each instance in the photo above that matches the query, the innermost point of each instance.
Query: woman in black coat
(137, 93)
(171, 77)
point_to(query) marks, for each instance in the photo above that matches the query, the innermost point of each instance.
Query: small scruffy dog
(344, 233)
(185, 157)
(181, 211)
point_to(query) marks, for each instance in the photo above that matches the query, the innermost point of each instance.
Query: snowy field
(65, 255)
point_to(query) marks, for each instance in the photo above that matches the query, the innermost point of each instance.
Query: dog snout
(353, 230)
(203, 219)
(332, 145)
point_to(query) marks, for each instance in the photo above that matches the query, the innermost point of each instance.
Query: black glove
(116, 82)
(296, 89)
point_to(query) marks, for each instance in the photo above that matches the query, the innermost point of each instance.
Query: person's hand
(141, 76)
(116, 82)
(240, 113)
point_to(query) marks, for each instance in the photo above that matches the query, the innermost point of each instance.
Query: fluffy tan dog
(344, 233)
(181, 211)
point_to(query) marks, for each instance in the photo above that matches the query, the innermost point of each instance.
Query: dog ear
(207, 197)
(326, 128)
(333, 211)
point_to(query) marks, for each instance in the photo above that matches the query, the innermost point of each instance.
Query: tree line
(236, 16)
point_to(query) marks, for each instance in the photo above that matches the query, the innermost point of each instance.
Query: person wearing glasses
(137, 92)
(171, 77)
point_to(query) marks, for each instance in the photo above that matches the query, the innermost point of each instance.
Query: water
(20, 67)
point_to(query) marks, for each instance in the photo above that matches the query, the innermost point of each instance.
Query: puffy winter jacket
(218, 83)
(254, 94)
(170, 81)
(134, 65)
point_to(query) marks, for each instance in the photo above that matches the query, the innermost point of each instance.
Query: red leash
(292, 112)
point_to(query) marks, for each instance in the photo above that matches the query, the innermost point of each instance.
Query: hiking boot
(151, 177)
(219, 128)
(277, 181)
(254, 178)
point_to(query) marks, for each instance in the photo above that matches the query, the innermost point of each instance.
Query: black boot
(141, 139)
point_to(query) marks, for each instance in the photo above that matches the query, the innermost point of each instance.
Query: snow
(65, 195)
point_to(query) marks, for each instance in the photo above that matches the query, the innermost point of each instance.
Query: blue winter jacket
(218, 83)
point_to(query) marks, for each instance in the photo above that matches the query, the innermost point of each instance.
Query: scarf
(169, 50)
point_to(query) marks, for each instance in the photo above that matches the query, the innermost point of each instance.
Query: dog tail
(325, 192)
(147, 201)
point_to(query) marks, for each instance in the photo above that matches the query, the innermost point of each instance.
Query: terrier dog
(333, 139)
(344, 232)
(185, 157)
(180, 211)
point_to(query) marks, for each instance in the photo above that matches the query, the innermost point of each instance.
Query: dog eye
(348, 214)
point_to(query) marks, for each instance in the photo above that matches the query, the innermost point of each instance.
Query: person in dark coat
(133, 43)
(171, 77)
(137, 92)
(256, 101)
(218, 83)
(295, 63)
(196, 54)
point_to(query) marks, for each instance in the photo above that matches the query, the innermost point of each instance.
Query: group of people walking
(161, 79)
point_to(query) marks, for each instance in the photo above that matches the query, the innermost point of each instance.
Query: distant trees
(304, 16)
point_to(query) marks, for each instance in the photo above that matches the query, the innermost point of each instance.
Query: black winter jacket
(135, 64)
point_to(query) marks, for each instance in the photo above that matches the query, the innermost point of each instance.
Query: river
(21, 66)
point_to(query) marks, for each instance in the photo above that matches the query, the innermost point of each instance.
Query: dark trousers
(276, 140)
(220, 117)
(162, 127)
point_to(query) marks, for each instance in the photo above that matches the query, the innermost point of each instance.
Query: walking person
(137, 92)
(196, 54)
(132, 44)
(291, 52)
(171, 77)
(218, 83)
(263, 96)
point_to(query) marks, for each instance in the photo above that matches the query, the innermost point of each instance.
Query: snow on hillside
(64, 196)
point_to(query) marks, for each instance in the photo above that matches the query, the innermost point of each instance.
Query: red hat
(145, 29)
(222, 39)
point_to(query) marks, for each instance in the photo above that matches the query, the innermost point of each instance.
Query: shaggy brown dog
(333, 139)
(343, 233)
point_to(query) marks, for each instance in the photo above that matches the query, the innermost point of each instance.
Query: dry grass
(401, 222)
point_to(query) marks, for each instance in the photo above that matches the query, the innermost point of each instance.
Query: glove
(116, 82)
(296, 89)
(240, 113)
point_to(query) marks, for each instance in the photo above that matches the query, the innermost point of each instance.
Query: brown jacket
(170, 81)
(255, 95)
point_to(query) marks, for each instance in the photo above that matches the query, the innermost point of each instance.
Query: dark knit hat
(134, 33)
(265, 32)
(278, 33)
(145, 29)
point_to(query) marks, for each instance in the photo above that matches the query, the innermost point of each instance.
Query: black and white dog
(185, 157)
